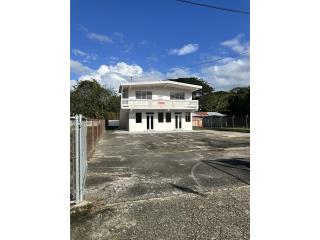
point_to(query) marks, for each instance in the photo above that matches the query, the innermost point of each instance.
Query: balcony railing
(159, 104)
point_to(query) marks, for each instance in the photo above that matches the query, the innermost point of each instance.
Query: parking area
(182, 185)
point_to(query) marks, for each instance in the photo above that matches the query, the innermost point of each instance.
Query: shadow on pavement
(236, 163)
(186, 189)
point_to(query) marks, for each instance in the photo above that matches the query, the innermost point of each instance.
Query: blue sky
(114, 40)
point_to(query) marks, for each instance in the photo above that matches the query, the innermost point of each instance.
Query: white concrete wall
(160, 93)
(164, 126)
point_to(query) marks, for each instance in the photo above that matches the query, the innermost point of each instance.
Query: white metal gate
(78, 157)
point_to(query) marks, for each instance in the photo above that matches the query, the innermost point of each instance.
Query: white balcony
(159, 104)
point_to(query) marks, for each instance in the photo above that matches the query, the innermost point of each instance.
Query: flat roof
(159, 83)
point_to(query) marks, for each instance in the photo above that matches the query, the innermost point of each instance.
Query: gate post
(82, 158)
(233, 121)
(81, 155)
(77, 130)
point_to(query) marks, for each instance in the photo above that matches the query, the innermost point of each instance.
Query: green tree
(93, 101)
(235, 102)
(215, 102)
(206, 88)
(240, 103)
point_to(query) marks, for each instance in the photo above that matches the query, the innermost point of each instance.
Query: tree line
(94, 101)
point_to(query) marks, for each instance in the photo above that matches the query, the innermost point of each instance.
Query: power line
(215, 7)
(217, 60)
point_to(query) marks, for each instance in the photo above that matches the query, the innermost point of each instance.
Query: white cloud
(99, 37)
(186, 49)
(179, 73)
(119, 36)
(152, 58)
(144, 42)
(122, 43)
(78, 68)
(151, 75)
(95, 36)
(223, 75)
(113, 75)
(126, 70)
(229, 72)
(103, 69)
(113, 60)
(128, 47)
(227, 75)
(234, 73)
(78, 52)
(236, 45)
(86, 57)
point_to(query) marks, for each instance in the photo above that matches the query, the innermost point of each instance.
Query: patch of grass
(87, 213)
(80, 214)
(245, 130)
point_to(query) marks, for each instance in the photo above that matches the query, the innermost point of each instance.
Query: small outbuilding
(197, 118)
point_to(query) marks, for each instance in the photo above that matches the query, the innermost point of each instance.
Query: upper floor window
(125, 93)
(143, 95)
(176, 95)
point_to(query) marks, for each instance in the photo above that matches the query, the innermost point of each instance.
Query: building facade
(157, 106)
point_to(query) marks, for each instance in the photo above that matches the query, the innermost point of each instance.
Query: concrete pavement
(188, 185)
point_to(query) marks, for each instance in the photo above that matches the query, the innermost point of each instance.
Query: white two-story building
(157, 106)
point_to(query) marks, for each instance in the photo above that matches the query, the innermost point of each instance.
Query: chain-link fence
(226, 122)
(84, 135)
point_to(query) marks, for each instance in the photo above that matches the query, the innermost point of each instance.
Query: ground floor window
(168, 116)
(138, 117)
(160, 117)
(188, 116)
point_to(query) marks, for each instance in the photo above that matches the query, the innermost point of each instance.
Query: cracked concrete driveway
(186, 185)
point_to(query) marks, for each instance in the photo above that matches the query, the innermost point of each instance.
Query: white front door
(178, 123)
(149, 121)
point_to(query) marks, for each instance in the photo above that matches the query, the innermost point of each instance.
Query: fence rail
(84, 135)
(226, 122)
